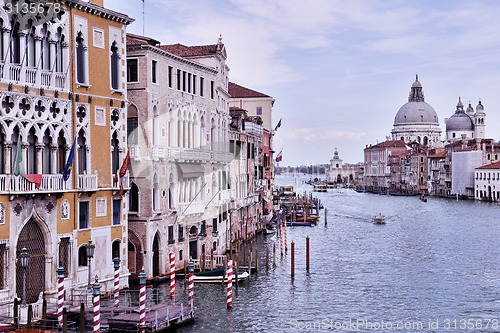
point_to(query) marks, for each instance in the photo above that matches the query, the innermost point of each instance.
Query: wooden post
(81, 317)
(292, 268)
(274, 255)
(267, 259)
(326, 212)
(236, 268)
(212, 266)
(30, 315)
(186, 278)
(16, 313)
(65, 320)
(256, 262)
(307, 253)
(250, 264)
(44, 312)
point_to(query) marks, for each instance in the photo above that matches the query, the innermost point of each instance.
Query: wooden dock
(159, 318)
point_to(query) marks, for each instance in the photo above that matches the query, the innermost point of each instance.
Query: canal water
(433, 267)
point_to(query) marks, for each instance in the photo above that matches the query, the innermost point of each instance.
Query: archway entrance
(156, 255)
(31, 238)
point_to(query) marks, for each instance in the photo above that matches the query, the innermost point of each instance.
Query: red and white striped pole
(116, 282)
(191, 283)
(60, 295)
(172, 275)
(142, 300)
(96, 292)
(229, 284)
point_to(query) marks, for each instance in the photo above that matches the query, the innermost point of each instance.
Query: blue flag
(278, 126)
(69, 163)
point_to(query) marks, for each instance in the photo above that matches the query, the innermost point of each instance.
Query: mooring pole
(307, 253)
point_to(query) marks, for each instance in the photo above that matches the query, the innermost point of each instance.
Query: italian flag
(19, 167)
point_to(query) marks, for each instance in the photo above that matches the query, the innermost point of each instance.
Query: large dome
(416, 112)
(460, 121)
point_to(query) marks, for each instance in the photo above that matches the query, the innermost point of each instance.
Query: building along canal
(433, 267)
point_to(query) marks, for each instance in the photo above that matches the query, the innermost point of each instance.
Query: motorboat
(217, 275)
(379, 219)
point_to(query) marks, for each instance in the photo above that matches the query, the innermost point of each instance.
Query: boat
(379, 219)
(320, 188)
(270, 231)
(217, 275)
(423, 198)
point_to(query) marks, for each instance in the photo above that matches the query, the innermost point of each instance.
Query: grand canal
(434, 267)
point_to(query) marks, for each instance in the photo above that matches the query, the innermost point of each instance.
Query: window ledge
(119, 92)
(83, 85)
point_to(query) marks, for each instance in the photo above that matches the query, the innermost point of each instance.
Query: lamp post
(25, 261)
(90, 247)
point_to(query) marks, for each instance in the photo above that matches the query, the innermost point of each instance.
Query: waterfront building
(466, 125)
(341, 174)
(178, 121)
(246, 175)
(462, 172)
(261, 105)
(437, 172)
(62, 94)
(416, 120)
(487, 182)
(377, 176)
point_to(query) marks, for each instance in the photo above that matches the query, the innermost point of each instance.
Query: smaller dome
(460, 104)
(417, 83)
(480, 106)
(459, 122)
(470, 109)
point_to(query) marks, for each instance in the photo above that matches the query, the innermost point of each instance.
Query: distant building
(416, 120)
(487, 182)
(340, 174)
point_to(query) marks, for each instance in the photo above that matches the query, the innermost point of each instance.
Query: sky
(340, 70)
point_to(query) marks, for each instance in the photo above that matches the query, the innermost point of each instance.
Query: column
(6, 156)
(39, 158)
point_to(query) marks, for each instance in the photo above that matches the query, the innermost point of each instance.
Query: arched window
(82, 153)
(59, 52)
(46, 153)
(115, 153)
(2, 46)
(2, 149)
(156, 127)
(115, 249)
(61, 152)
(115, 80)
(82, 256)
(80, 59)
(15, 43)
(31, 158)
(30, 48)
(45, 52)
(132, 125)
(133, 199)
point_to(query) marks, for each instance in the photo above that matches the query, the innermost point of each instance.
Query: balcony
(32, 76)
(179, 154)
(158, 153)
(87, 182)
(135, 152)
(19, 184)
(193, 208)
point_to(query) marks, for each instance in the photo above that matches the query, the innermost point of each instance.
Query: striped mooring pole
(191, 283)
(60, 295)
(96, 292)
(172, 275)
(142, 300)
(229, 284)
(116, 282)
(284, 231)
(282, 247)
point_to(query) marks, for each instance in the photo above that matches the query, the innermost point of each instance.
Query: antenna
(143, 17)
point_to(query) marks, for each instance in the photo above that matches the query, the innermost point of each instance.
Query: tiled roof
(190, 51)
(438, 154)
(390, 144)
(142, 40)
(238, 91)
(495, 165)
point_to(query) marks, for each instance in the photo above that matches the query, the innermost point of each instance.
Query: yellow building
(62, 85)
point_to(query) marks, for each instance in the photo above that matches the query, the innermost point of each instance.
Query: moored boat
(217, 275)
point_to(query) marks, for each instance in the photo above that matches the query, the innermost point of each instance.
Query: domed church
(417, 120)
(466, 124)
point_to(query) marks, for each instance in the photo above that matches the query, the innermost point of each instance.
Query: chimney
(97, 2)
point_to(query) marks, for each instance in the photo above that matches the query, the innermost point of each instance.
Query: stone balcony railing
(157, 153)
(87, 182)
(191, 208)
(19, 184)
(37, 77)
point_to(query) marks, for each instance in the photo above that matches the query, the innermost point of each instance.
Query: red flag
(126, 161)
(34, 178)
